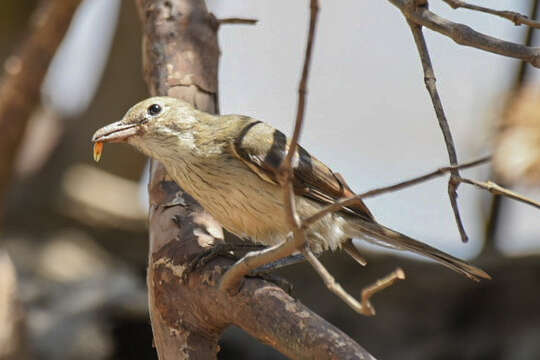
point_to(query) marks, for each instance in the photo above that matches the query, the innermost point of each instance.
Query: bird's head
(154, 125)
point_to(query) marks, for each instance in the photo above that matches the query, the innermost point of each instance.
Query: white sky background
(368, 115)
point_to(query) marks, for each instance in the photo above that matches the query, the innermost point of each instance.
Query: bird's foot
(218, 250)
(264, 272)
(276, 280)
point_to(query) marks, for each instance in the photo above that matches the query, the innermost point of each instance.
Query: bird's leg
(287, 261)
(264, 272)
(220, 249)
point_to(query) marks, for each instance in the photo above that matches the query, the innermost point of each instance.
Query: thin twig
(430, 80)
(237, 21)
(499, 190)
(286, 169)
(464, 35)
(364, 308)
(414, 181)
(516, 18)
(232, 278)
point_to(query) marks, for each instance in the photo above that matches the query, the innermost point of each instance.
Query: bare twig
(464, 35)
(365, 307)
(237, 21)
(378, 191)
(430, 80)
(489, 186)
(232, 278)
(499, 190)
(516, 18)
(286, 169)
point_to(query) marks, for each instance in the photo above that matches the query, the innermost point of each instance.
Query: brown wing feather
(262, 148)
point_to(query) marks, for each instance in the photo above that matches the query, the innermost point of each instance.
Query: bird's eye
(154, 109)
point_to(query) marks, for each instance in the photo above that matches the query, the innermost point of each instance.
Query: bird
(230, 164)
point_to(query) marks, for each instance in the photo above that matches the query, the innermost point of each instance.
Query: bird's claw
(276, 280)
(219, 250)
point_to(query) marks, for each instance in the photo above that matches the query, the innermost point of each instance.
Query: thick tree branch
(181, 57)
(24, 72)
(464, 35)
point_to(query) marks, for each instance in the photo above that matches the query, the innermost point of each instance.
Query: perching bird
(229, 164)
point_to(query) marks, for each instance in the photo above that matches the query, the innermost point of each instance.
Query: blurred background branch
(13, 334)
(23, 74)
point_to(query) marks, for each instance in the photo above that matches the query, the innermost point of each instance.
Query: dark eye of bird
(154, 109)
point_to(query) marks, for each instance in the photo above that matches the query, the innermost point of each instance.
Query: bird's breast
(236, 197)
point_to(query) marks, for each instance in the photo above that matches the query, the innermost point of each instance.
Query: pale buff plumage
(230, 191)
(201, 153)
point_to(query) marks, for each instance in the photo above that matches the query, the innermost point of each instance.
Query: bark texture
(181, 54)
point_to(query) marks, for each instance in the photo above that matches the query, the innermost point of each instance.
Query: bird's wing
(263, 148)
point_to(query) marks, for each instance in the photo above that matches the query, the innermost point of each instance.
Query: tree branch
(464, 35)
(365, 306)
(181, 57)
(24, 72)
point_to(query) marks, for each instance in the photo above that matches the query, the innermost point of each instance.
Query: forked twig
(516, 18)
(286, 170)
(365, 307)
(232, 278)
(429, 80)
(464, 35)
(489, 186)
(338, 205)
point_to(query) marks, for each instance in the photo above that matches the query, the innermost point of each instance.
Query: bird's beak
(115, 132)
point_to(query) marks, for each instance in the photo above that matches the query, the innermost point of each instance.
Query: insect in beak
(115, 132)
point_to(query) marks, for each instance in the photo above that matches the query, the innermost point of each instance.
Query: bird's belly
(243, 203)
(250, 207)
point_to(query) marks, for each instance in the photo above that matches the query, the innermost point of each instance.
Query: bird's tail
(382, 235)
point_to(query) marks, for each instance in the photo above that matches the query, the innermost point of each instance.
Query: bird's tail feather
(382, 235)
